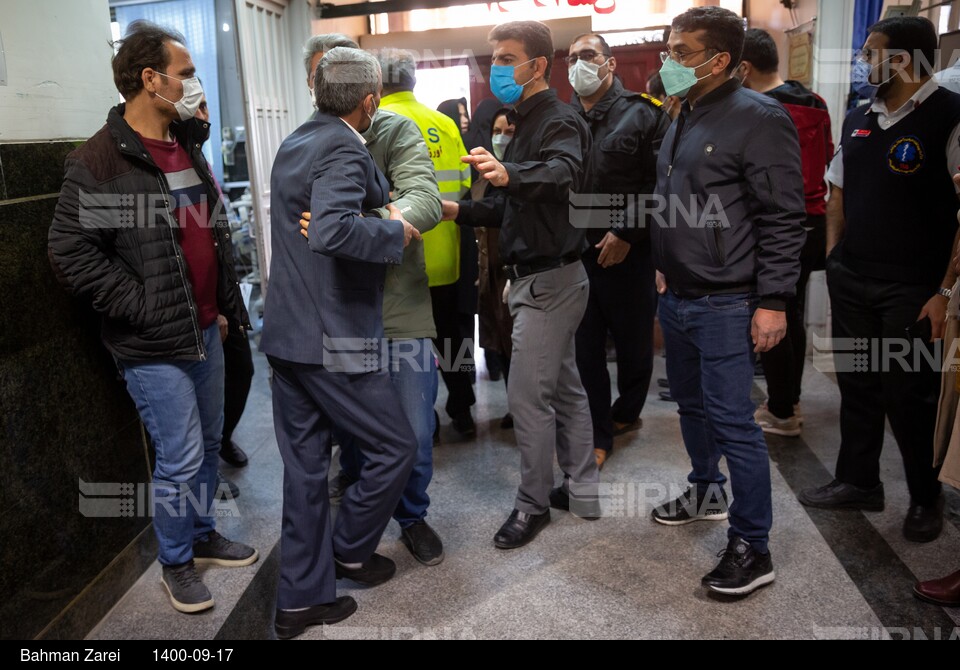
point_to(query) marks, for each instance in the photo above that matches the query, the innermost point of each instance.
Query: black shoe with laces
(185, 588)
(742, 570)
(218, 550)
(694, 505)
(423, 542)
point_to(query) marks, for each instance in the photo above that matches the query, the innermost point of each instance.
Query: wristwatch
(945, 292)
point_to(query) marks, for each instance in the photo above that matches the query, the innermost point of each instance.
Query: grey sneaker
(186, 589)
(218, 550)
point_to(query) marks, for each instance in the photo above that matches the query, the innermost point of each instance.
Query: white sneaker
(771, 425)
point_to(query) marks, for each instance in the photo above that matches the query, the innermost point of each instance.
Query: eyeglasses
(679, 56)
(586, 55)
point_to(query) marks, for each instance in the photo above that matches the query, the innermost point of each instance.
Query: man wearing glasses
(727, 272)
(627, 129)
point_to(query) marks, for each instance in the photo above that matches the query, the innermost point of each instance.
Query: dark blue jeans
(181, 405)
(710, 365)
(413, 372)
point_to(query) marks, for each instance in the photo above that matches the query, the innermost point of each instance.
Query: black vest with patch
(899, 201)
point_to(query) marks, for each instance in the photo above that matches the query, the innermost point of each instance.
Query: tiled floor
(838, 574)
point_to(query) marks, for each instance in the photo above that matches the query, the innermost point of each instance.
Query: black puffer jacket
(114, 241)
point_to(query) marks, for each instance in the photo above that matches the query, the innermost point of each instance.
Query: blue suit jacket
(330, 288)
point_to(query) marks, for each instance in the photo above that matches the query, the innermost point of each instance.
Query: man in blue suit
(322, 330)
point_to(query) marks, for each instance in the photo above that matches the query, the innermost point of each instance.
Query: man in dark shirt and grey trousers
(547, 160)
(726, 278)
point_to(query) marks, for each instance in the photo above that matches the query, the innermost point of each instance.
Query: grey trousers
(549, 406)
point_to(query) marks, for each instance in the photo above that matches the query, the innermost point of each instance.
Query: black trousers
(455, 350)
(623, 302)
(783, 365)
(238, 375)
(879, 387)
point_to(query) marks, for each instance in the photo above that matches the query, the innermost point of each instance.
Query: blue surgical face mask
(678, 79)
(504, 86)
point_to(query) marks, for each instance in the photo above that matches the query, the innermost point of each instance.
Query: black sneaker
(218, 550)
(506, 423)
(290, 623)
(186, 589)
(742, 570)
(707, 506)
(226, 489)
(339, 485)
(423, 542)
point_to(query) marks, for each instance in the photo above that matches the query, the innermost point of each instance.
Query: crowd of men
(377, 207)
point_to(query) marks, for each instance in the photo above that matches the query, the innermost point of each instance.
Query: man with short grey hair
(317, 46)
(401, 154)
(325, 302)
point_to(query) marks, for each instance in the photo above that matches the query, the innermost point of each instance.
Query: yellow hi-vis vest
(441, 246)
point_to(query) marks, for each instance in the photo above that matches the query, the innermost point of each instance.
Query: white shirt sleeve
(953, 153)
(835, 173)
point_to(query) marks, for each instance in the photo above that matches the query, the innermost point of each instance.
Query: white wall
(59, 81)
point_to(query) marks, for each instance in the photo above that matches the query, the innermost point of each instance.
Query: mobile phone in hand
(921, 330)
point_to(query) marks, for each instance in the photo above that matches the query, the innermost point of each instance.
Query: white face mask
(189, 103)
(500, 143)
(585, 78)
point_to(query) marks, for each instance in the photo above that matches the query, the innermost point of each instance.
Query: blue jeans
(181, 405)
(710, 364)
(413, 372)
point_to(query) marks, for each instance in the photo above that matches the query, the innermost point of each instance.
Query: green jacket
(397, 147)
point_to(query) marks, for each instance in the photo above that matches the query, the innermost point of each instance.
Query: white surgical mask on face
(189, 103)
(500, 143)
(585, 78)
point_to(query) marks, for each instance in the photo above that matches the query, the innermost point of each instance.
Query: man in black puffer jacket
(140, 231)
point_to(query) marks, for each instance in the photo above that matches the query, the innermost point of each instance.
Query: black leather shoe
(423, 542)
(290, 623)
(506, 423)
(924, 524)
(663, 383)
(520, 529)
(377, 570)
(665, 396)
(337, 487)
(742, 570)
(233, 454)
(588, 510)
(837, 495)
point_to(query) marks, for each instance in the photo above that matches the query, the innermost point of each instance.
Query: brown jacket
(946, 448)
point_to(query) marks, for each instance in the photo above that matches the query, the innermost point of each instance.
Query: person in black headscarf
(459, 111)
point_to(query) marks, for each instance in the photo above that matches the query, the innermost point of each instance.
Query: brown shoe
(601, 455)
(944, 592)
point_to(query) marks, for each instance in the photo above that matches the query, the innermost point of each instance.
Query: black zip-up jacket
(734, 159)
(628, 129)
(548, 159)
(114, 242)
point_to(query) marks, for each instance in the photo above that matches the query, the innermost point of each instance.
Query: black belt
(697, 293)
(519, 271)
